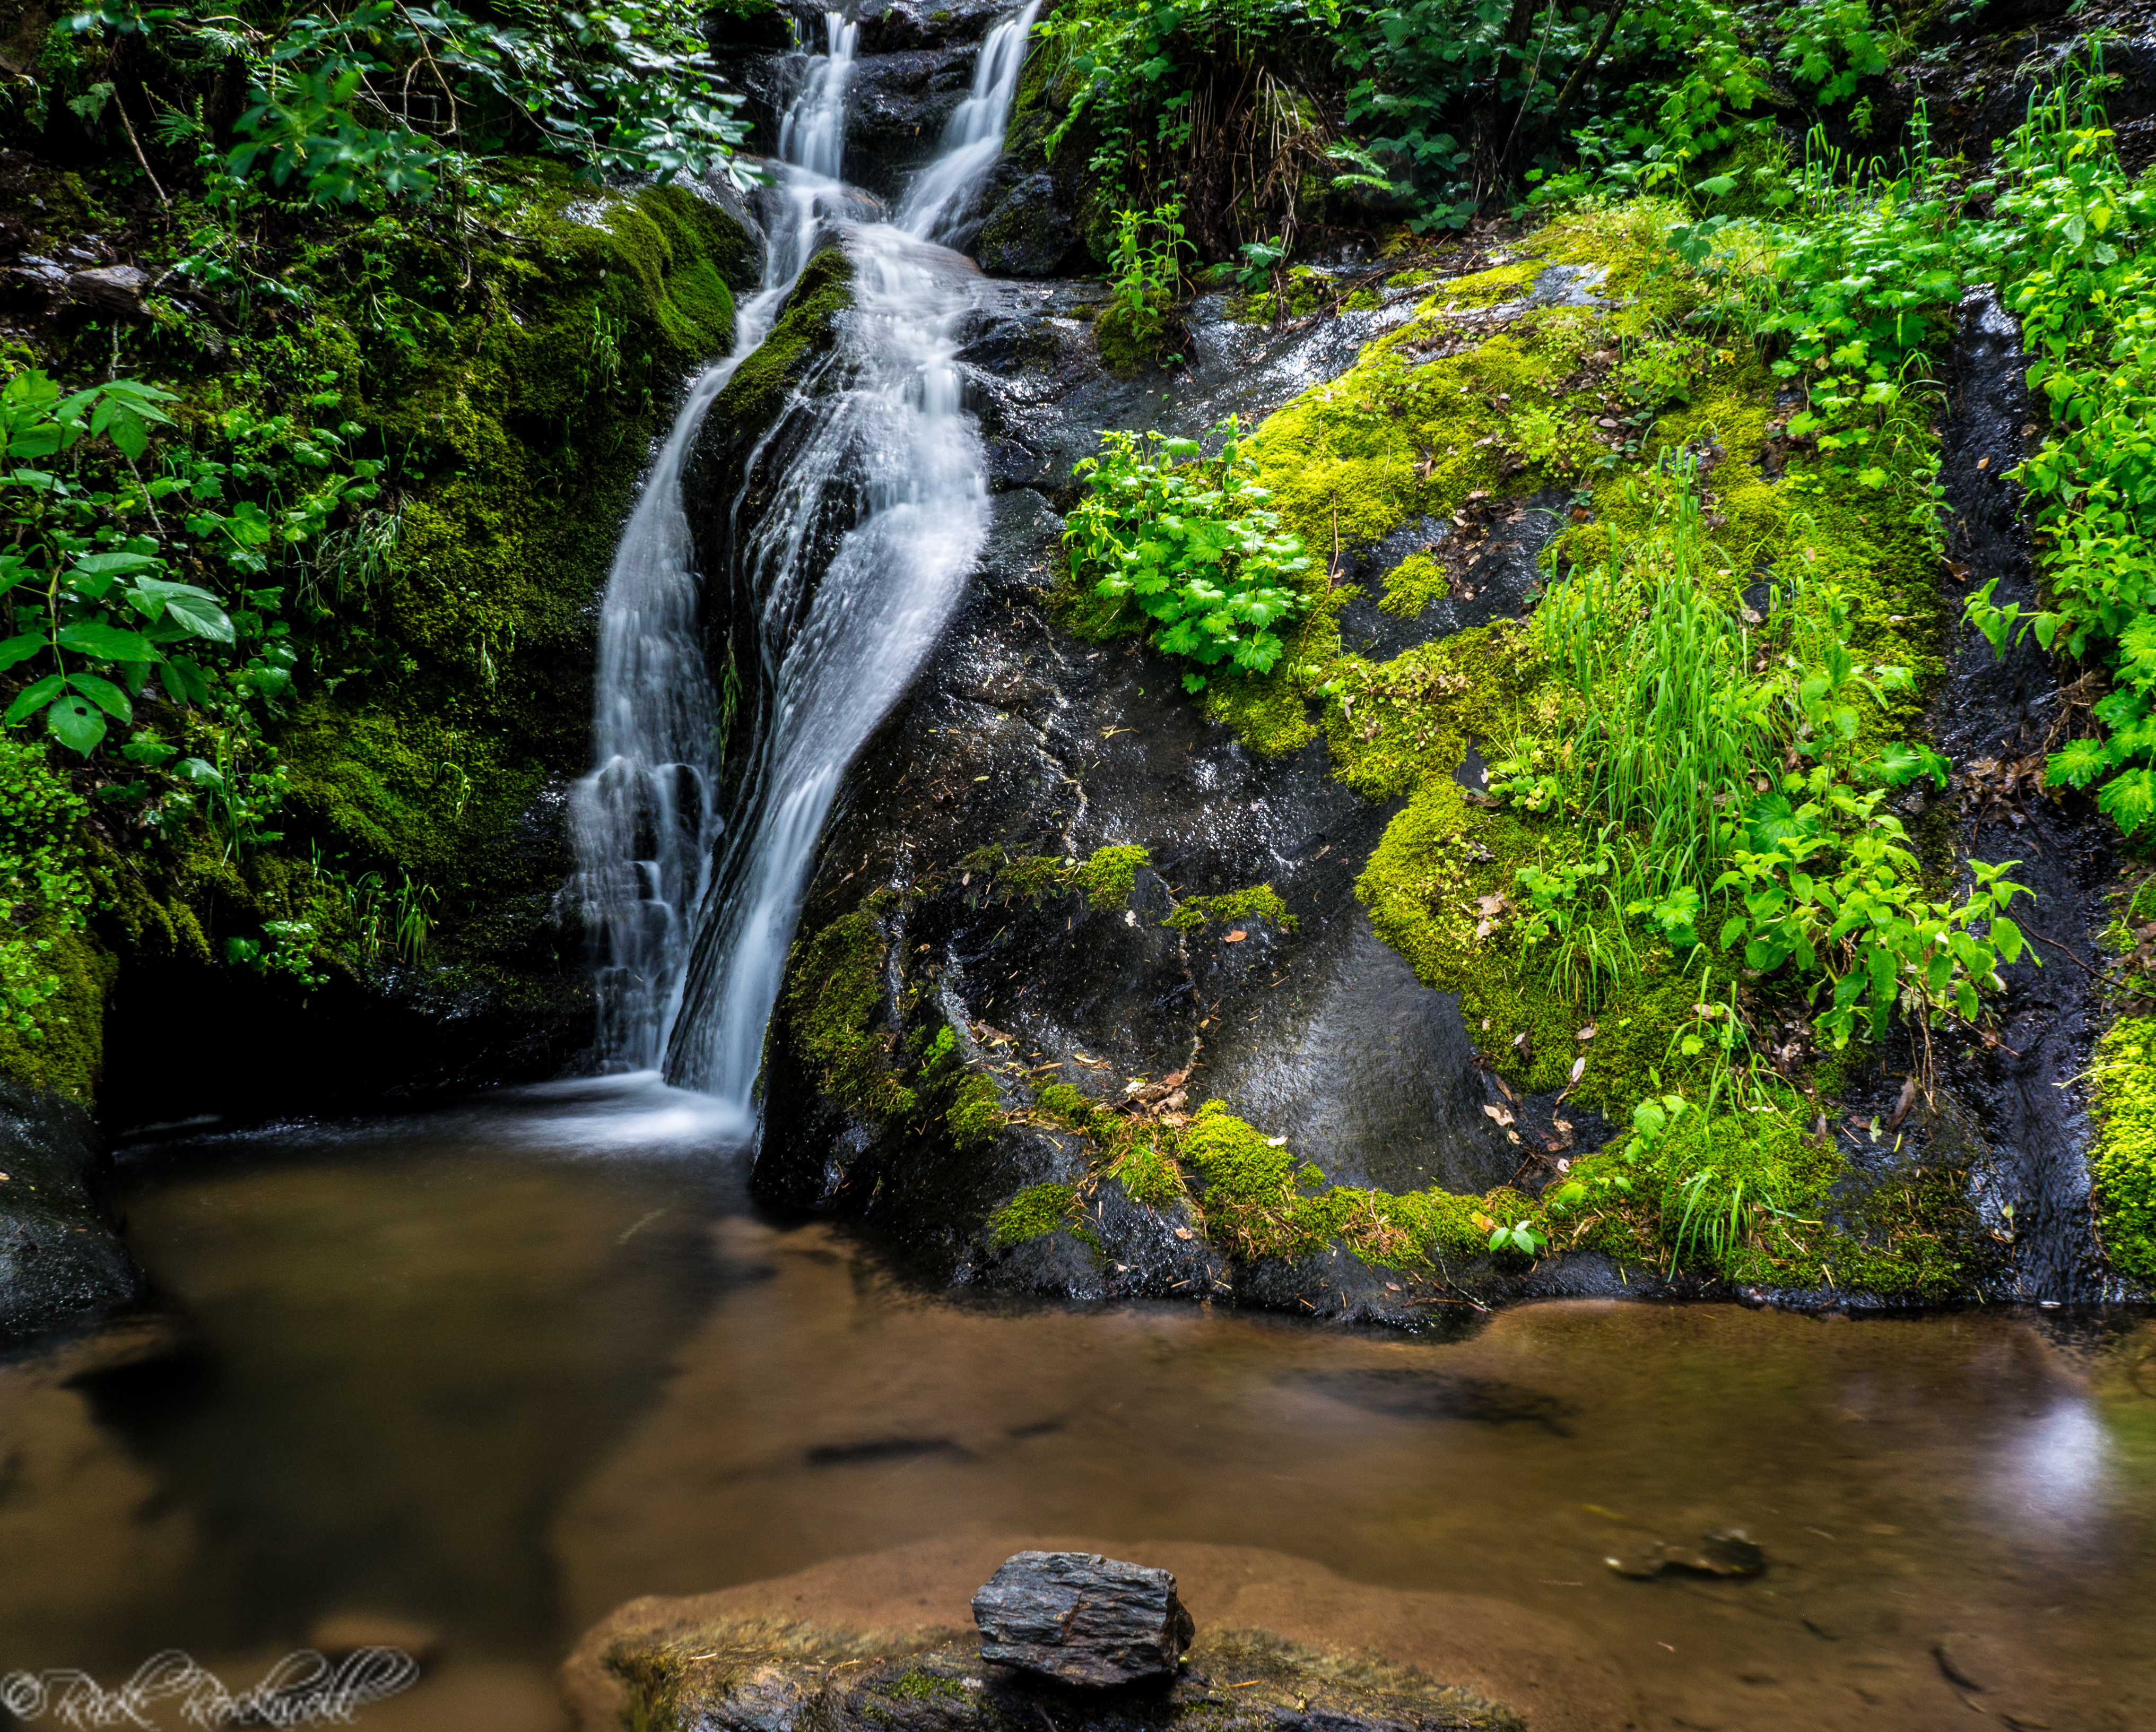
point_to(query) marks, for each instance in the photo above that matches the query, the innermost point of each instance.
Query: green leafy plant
(286, 947)
(1520, 1237)
(1847, 900)
(1149, 250)
(1187, 540)
(383, 100)
(1832, 44)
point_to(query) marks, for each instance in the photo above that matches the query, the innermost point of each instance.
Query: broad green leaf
(20, 648)
(106, 696)
(2079, 764)
(105, 564)
(31, 697)
(94, 637)
(195, 610)
(2006, 937)
(76, 723)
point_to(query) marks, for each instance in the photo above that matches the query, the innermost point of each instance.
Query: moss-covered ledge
(511, 377)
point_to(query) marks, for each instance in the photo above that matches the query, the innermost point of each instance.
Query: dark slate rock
(1082, 1619)
(113, 288)
(1027, 232)
(60, 1258)
(893, 26)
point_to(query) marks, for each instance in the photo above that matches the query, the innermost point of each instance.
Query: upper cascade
(936, 204)
(659, 866)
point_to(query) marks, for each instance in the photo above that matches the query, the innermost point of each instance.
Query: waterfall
(935, 205)
(891, 443)
(645, 823)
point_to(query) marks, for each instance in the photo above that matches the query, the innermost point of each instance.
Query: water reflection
(500, 1368)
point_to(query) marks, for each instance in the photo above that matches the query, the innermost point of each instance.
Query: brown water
(498, 1369)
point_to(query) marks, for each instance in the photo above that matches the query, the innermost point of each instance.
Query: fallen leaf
(1580, 1068)
(1585, 1034)
(1498, 1113)
(1276, 1141)
(1183, 1232)
(1235, 936)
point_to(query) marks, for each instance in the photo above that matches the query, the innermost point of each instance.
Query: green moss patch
(1109, 876)
(2123, 1162)
(1412, 585)
(830, 1002)
(1261, 901)
(1034, 1213)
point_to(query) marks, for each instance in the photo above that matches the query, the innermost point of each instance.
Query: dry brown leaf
(1498, 1113)
(1235, 936)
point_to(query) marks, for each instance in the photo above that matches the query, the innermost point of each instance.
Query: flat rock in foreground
(1082, 1619)
(777, 1675)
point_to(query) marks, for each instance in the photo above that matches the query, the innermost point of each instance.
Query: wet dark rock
(2015, 1110)
(61, 1259)
(1082, 1619)
(514, 1005)
(893, 26)
(1027, 231)
(897, 105)
(657, 1662)
(1324, 1031)
(113, 290)
(1021, 740)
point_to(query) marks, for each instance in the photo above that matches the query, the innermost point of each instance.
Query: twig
(131, 139)
(1534, 77)
(2066, 950)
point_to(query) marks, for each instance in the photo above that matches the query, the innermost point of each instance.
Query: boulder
(60, 1259)
(1027, 232)
(112, 288)
(1080, 1618)
(649, 1665)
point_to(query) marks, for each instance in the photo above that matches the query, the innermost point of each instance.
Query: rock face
(60, 1258)
(769, 1675)
(1082, 1619)
(1023, 742)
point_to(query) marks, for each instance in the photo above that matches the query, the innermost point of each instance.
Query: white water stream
(692, 918)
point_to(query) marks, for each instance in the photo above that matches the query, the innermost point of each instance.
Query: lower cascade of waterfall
(691, 909)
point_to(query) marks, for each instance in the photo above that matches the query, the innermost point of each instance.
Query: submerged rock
(1080, 1618)
(646, 1667)
(1725, 1552)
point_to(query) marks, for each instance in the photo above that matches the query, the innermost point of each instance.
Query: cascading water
(936, 204)
(895, 435)
(892, 445)
(646, 820)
